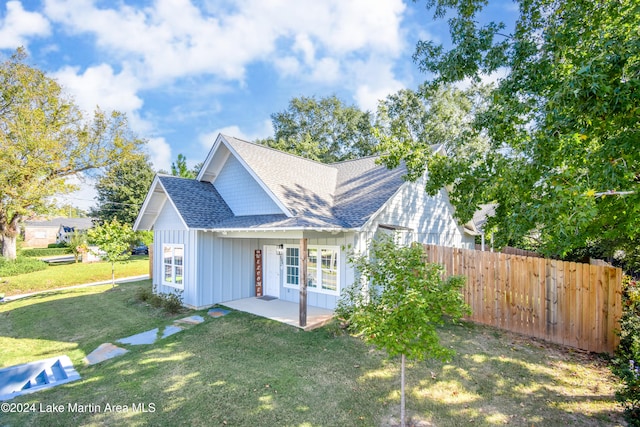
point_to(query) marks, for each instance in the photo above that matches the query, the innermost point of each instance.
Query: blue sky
(185, 70)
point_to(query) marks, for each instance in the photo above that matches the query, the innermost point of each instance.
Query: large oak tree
(325, 129)
(563, 123)
(45, 139)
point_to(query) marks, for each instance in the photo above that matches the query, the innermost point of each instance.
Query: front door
(271, 270)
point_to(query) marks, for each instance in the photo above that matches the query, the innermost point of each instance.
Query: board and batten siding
(169, 229)
(429, 217)
(241, 191)
(225, 269)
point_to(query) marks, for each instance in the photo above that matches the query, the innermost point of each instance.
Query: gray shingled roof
(78, 223)
(339, 195)
(199, 203)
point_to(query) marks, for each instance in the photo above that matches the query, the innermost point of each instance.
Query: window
(322, 268)
(172, 261)
(292, 261)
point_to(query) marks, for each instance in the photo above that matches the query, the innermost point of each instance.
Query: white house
(235, 231)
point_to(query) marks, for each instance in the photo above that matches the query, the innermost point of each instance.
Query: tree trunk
(9, 247)
(113, 275)
(402, 414)
(9, 235)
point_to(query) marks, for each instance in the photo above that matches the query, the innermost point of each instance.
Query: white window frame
(318, 289)
(174, 267)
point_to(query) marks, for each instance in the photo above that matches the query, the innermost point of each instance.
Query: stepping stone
(191, 320)
(170, 330)
(217, 312)
(103, 352)
(148, 337)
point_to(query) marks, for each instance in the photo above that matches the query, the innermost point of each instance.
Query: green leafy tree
(322, 129)
(114, 241)
(122, 190)
(400, 300)
(44, 139)
(563, 124)
(180, 168)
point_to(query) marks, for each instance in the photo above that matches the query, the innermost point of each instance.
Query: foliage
(43, 252)
(78, 244)
(399, 301)
(66, 210)
(114, 240)
(122, 189)
(180, 168)
(409, 123)
(44, 140)
(322, 129)
(171, 303)
(562, 125)
(20, 265)
(57, 245)
(145, 237)
(626, 365)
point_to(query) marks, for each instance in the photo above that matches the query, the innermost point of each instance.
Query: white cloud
(159, 153)
(19, 25)
(100, 86)
(374, 80)
(264, 130)
(173, 38)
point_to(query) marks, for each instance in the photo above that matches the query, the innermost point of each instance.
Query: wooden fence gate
(568, 303)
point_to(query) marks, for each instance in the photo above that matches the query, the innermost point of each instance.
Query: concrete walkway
(104, 282)
(282, 311)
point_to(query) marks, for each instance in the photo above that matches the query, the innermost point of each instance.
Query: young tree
(399, 301)
(563, 122)
(78, 244)
(322, 129)
(114, 240)
(122, 190)
(180, 168)
(44, 139)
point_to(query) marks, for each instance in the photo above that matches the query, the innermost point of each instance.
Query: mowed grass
(243, 370)
(58, 276)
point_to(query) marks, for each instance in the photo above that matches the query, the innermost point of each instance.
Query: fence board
(573, 304)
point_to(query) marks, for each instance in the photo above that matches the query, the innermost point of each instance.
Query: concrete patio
(282, 311)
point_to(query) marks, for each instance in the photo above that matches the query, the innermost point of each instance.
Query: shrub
(626, 364)
(170, 303)
(42, 252)
(20, 265)
(144, 294)
(57, 245)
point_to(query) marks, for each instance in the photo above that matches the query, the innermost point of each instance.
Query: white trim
(173, 205)
(319, 289)
(174, 266)
(221, 140)
(207, 161)
(147, 199)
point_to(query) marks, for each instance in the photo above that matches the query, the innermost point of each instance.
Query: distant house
(236, 231)
(40, 234)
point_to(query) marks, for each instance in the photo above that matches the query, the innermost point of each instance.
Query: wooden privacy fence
(568, 303)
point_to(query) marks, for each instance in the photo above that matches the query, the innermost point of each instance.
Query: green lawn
(242, 370)
(58, 276)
